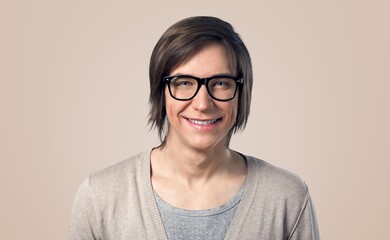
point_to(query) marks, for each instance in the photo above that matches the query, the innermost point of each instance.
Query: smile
(203, 122)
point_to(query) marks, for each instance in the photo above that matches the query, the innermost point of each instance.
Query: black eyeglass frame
(203, 81)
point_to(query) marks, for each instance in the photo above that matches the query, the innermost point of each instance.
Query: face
(201, 123)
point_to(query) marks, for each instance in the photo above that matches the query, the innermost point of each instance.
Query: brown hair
(182, 41)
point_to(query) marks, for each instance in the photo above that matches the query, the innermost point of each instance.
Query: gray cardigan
(118, 203)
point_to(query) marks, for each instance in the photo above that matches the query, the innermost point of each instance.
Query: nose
(202, 101)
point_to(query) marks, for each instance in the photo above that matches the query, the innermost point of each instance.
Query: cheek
(173, 107)
(166, 95)
(168, 103)
(234, 108)
(231, 111)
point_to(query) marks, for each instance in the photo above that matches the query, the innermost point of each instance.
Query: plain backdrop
(74, 99)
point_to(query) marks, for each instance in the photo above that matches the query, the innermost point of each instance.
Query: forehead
(210, 59)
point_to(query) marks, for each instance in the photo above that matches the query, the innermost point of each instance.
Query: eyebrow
(214, 75)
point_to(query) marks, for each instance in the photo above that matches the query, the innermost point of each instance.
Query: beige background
(74, 92)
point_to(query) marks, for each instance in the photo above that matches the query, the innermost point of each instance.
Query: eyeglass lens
(185, 87)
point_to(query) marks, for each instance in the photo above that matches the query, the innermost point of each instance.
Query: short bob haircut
(180, 42)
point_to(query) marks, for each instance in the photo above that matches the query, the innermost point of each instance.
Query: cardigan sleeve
(83, 221)
(306, 227)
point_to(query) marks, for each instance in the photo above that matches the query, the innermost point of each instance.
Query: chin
(203, 144)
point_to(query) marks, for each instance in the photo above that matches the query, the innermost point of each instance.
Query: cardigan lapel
(246, 201)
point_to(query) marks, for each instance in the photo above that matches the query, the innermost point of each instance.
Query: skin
(196, 169)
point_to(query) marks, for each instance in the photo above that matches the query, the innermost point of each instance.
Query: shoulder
(276, 182)
(110, 198)
(277, 202)
(124, 168)
(118, 177)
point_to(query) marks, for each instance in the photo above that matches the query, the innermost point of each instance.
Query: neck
(192, 166)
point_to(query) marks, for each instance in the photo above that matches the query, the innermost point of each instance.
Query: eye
(223, 83)
(183, 82)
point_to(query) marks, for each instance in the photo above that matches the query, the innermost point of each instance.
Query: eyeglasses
(185, 87)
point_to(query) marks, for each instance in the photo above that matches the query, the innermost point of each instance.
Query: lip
(203, 124)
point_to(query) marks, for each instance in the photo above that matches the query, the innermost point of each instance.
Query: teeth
(198, 122)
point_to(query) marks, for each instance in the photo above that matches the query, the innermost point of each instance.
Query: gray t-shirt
(183, 224)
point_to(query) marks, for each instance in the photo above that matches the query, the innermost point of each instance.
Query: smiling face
(201, 123)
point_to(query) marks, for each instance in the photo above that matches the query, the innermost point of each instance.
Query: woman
(193, 186)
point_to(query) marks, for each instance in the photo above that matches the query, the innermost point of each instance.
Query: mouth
(203, 122)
